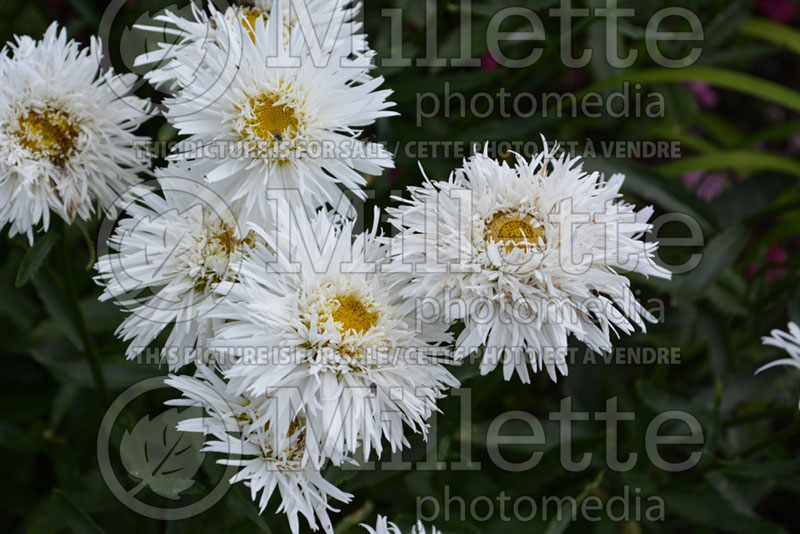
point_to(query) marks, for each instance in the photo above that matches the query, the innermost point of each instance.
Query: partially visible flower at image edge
(66, 134)
(788, 341)
(384, 526)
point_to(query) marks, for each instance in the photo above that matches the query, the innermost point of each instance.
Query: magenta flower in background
(712, 186)
(775, 255)
(488, 63)
(778, 10)
(708, 187)
(691, 179)
(704, 94)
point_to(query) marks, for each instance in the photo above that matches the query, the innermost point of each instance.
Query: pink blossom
(778, 10)
(712, 186)
(777, 254)
(691, 179)
(488, 63)
(704, 94)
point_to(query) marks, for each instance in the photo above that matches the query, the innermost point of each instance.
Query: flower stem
(90, 349)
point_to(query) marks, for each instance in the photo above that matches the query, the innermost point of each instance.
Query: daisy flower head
(177, 241)
(287, 119)
(384, 526)
(174, 63)
(320, 330)
(66, 132)
(525, 255)
(240, 428)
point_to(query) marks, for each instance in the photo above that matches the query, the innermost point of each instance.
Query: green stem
(91, 353)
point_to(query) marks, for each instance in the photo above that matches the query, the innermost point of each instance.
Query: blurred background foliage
(735, 114)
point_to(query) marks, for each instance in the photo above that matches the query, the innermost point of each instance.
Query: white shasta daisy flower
(788, 341)
(384, 526)
(169, 255)
(280, 125)
(66, 134)
(176, 60)
(525, 255)
(320, 331)
(239, 427)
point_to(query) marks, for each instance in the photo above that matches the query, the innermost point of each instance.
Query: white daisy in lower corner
(285, 120)
(239, 428)
(526, 255)
(66, 132)
(169, 253)
(384, 526)
(319, 329)
(788, 341)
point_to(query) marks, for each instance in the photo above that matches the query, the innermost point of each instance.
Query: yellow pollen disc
(271, 121)
(220, 247)
(514, 229)
(353, 315)
(48, 133)
(249, 17)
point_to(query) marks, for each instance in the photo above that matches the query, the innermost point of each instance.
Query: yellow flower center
(217, 254)
(271, 121)
(514, 229)
(48, 133)
(353, 315)
(249, 17)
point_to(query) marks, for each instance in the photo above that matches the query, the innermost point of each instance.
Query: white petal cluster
(341, 343)
(310, 343)
(316, 359)
(384, 526)
(169, 253)
(172, 66)
(269, 110)
(240, 428)
(525, 255)
(66, 132)
(788, 341)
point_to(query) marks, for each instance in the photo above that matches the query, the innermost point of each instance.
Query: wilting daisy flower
(239, 427)
(284, 118)
(168, 255)
(66, 134)
(525, 255)
(384, 526)
(176, 60)
(318, 330)
(788, 341)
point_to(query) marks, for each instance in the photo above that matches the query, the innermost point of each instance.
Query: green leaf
(760, 470)
(54, 301)
(558, 525)
(711, 511)
(726, 79)
(642, 182)
(35, 257)
(750, 197)
(726, 23)
(722, 131)
(740, 160)
(719, 254)
(773, 32)
(76, 519)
